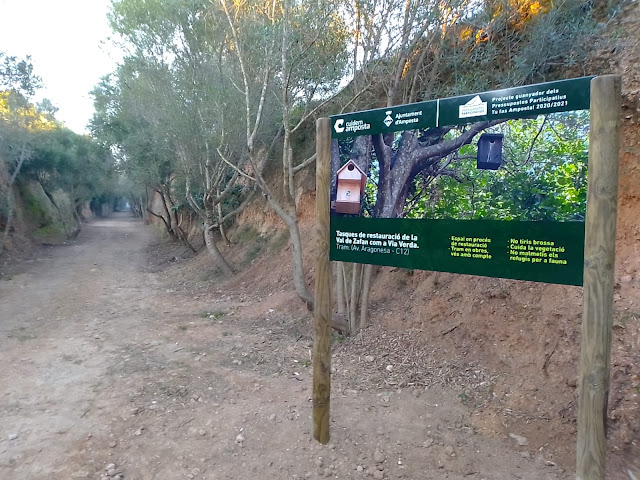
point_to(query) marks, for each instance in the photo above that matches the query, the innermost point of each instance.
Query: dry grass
(404, 359)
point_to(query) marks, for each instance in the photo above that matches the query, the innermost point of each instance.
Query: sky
(69, 48)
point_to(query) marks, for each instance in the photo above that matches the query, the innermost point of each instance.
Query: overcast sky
(65, 39)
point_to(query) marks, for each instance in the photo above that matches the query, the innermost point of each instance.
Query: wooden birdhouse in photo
(350, 188)
(490, 151)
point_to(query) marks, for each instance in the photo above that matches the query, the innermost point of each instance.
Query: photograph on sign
(488, 184)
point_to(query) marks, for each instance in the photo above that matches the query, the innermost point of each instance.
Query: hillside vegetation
(50, 177)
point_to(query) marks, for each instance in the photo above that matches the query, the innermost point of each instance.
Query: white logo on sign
(388, 120)
(338, 126)
(473, 108)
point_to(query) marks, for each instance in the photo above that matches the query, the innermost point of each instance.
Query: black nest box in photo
(490, 151)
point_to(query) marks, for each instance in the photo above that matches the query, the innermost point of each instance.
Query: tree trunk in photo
(182, 235)
(210, 213)
(77, 210)
(78, 219)
(145, 201)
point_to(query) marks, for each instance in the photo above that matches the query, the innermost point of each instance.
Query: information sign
(431, 202)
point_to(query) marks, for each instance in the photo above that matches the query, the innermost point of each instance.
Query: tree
(173, 89)
(17, 75)
(75, 164)
(19, 120)
(543, 176)
(130, 118)
(191, 65)
(311, 40)
(17, 81)
(36, 147)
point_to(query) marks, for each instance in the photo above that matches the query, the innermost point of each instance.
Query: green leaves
(543, 177)
(17, 75)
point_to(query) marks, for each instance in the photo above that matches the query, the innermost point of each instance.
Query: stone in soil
(522, 441)
(378, 456)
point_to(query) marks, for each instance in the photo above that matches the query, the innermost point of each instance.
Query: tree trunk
(223, 233)
(7, 226)
(24, 153)
(340, 288)
(212, 248)
(299, 279)
(142, 211)
(78, 218)
(356, 276)
(290, 218)
(169, 204)
(366, 288)
(58, 211)
(167, 220)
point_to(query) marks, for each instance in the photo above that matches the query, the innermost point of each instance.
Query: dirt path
(113, 370)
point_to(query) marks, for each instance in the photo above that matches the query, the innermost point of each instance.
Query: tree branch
(304, 164)
(453, 174)
(225, 192)
(237, 210)
(160, 217)
(234, 167)
(192, 201)
(534, 140)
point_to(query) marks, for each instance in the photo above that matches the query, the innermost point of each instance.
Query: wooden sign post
(599, 251)
(322, 312)
(599, 264)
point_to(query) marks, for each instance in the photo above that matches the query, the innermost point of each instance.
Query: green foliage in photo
(543, 175)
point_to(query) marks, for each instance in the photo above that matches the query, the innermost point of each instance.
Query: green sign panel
(491, 184)
(539, 251)
(561, 96)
